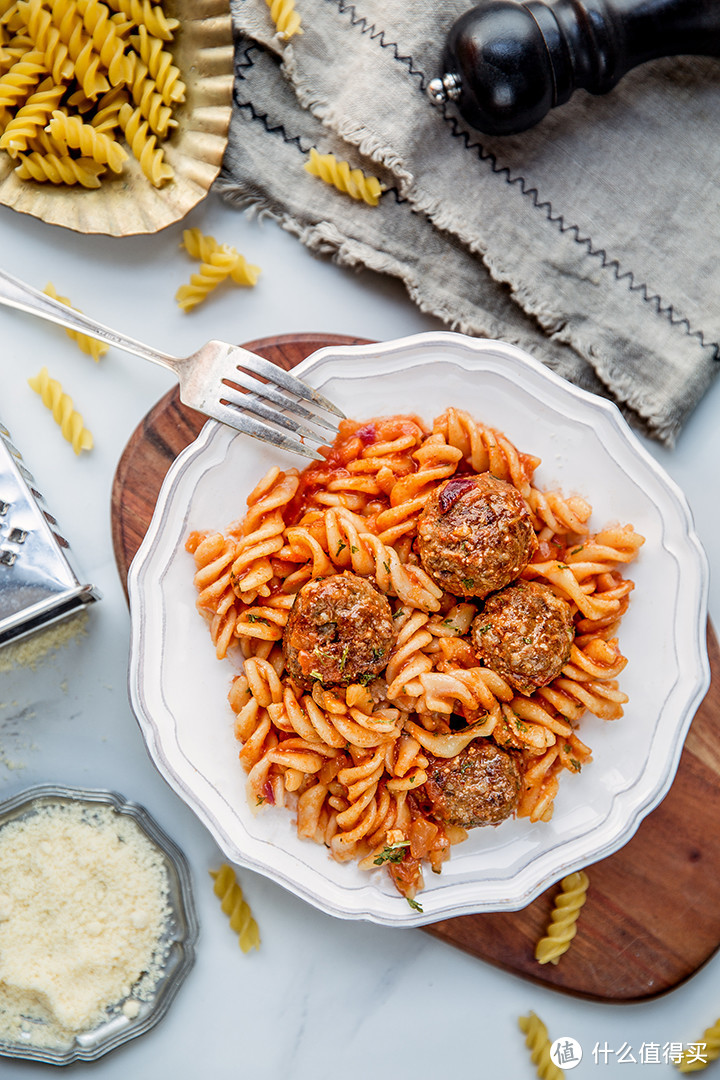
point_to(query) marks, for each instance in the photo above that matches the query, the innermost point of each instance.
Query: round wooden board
(652, 915)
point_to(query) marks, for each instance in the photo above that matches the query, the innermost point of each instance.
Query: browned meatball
(481, 786)
(525, 633)
(339, 631)
(475, 535)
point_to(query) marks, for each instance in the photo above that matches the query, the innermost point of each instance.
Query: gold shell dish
(128, 204)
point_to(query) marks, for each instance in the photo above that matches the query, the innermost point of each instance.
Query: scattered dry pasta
(563, 921)
(352, 182)
(79, 76)
(698, 1055)
(61, 406)
(234, 905)
(364, 703)
(218, 263)
(538, 1042)
(89, 345)
(287, 20)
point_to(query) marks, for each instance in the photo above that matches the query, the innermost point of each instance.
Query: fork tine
(263, 390)
(228, 414)
(253, 404)
(278, 375)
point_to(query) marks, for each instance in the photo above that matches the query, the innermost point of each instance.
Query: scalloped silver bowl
(179, 939)
(587, 448)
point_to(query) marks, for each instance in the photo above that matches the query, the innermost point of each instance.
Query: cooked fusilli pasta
(89, 345)
(563, 921)
(61, 405)
(538, 1043)
(356, 755)
(234, 905)
(352, 182)
(287, 20)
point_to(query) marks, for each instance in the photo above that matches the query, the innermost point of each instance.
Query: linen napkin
(591, 240)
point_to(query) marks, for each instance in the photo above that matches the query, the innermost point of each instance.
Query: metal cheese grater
(38, 585)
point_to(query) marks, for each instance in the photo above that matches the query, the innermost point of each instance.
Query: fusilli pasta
(287, 20)
(352, 182)
(698, 1055)
(234, 905)
(87, 344)
(538, 1043)
(77, 77)
(357, 755)
(70, 421)
(563, 921)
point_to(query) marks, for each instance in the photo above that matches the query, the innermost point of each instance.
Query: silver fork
(214, 380)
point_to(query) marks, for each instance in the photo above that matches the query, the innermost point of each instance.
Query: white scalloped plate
(179, 689)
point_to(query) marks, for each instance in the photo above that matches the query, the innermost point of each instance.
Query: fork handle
(17, 294)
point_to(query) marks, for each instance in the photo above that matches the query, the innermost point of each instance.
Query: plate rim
(314, 368)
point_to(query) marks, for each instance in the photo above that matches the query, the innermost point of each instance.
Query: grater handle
(17, 294)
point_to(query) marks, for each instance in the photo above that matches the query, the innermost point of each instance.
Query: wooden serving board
(652, 915)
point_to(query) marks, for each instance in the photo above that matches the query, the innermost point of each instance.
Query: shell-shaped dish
(128, 204)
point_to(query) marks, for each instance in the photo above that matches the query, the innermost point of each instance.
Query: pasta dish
(418, 631)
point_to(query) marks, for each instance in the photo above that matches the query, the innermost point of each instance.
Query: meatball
(524, 633)
(481, 786)
(339, 631)
(475, 535)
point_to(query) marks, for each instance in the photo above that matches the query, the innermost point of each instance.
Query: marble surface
(322, 997)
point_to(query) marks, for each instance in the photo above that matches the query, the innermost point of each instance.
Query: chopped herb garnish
(341, 545)
(260, 800)
(315, 674)
(575, 764)
(257, 618)
(386, 564)
(343, 658)
(577, 550)
(520, 726)
(413, 904)
(354, 549)
(468, 582)
(484, 629)
(393, 853)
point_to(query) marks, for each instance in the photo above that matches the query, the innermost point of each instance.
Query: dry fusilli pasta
(287, 20)
(87, 344)
(105, 74)
(59, 169)
(353, 182)
(234, 905)
(563, 921)
(61, 406)
(538, 1043)
(202, 247)
(220, 262)
(698, 1055)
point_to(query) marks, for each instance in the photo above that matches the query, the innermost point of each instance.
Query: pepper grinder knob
(507, 63)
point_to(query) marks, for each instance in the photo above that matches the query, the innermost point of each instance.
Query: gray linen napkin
(591, 240)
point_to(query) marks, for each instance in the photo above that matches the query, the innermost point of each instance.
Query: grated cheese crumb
(83, 911)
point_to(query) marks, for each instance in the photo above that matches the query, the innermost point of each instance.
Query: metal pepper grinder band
(506, 63)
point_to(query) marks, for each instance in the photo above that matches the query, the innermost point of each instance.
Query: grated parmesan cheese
(83, 911)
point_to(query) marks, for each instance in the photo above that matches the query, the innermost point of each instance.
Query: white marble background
(323, 998)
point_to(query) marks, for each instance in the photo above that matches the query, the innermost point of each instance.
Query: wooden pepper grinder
(507, 63)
